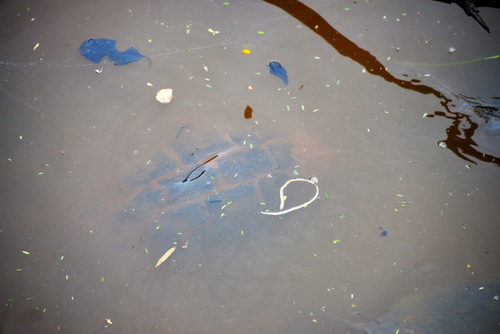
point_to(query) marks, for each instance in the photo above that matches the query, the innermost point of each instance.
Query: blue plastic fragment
(384, 232)
(278, 70)
(95, 49)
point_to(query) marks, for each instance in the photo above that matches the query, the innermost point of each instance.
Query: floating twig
(283, 198)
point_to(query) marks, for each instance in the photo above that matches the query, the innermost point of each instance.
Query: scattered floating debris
(384, 232)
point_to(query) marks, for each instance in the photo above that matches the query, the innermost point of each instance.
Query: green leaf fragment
(40, 173)
(241, 232)
(149, 161)
(326, 195)
(146, 250)
(26, 252)
(287, 107)
(260, 32)
(341, 216)
(102, 279)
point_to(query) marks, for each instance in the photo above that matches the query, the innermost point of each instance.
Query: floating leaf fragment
(26, 252)
(165, 256)
(214, 32)
(246, 51)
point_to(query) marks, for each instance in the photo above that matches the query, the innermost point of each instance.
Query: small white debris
(164, 96)
(451, 50)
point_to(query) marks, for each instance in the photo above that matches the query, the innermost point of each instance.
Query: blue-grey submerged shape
(95, 49)
(278, 70)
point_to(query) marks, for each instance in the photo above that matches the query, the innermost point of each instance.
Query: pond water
(393, 106)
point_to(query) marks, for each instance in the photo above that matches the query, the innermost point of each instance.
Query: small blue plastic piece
(95, 49)
(278, 70)
(384, 232)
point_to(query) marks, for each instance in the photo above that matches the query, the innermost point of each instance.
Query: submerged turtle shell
(210, 188)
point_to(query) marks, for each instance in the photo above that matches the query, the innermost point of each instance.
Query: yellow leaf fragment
(36, 46)
(165, 256)
(246, 51)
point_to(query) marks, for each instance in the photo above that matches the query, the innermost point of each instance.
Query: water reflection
(459, 142)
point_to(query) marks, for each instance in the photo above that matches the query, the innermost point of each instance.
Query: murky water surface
(402, 133)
